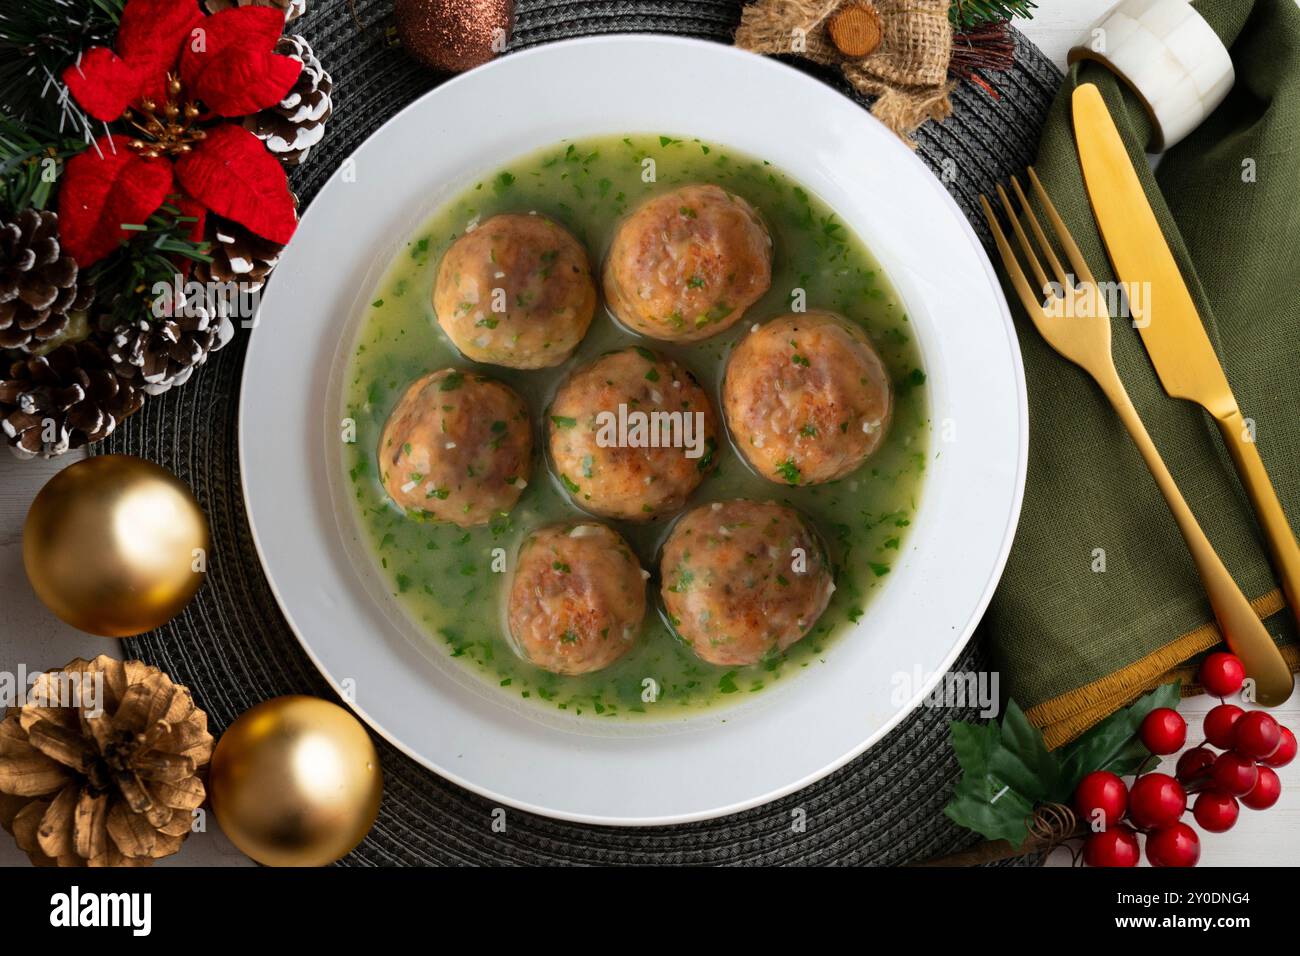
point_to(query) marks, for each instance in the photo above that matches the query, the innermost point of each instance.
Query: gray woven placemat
(233, 648)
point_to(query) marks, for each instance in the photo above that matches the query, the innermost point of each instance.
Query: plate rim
(928, 683)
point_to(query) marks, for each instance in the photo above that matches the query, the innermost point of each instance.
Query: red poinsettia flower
(175, 77)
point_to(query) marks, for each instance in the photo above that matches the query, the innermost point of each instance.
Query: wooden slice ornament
(856, 29)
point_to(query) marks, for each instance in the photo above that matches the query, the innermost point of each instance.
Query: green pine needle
(39, 39)
(125, 280)
(31, 160)
(968, 14)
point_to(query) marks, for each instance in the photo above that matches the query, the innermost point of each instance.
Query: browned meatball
(807, 398)
(457, 447)
(577, 598)
(743, 580)
(687, 264)
(516, 291)
(607, 459)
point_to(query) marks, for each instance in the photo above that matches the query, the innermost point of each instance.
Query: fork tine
(1058, 225)
(1033, 305)
(1041, 236)
(1025, 247)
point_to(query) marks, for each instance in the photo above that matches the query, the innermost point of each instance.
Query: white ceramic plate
(714, 763)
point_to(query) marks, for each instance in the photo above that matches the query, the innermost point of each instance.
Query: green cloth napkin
(1075, 643)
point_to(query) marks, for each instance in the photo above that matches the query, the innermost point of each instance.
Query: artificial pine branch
(38, 40)
(124, 282)
(968, 14)
(31, 160)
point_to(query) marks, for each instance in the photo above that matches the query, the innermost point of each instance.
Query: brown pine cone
(38, 284)
(153, 354)
(102, 770)
(293, 9)
(65, 399)
(297, 123)
(237, 255)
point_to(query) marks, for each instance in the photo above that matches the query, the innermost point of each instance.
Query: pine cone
(38, 284)
(66, 399)
(102, 770)
(154, 354)
(294, 125)
(237, 256)
(293, 9)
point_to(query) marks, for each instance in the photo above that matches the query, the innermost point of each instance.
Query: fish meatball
(577, 598)
(458, 447)
(687, 264)
(516, 291)
(743, 580)
(632, 435)
(807, 398)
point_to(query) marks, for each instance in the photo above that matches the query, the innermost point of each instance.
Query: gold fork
(1078, 327)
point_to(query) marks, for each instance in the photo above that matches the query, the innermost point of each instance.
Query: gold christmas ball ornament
(115, 545)
(453, 35)
(295, 781)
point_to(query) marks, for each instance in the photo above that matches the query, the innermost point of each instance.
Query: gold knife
(1176, 339)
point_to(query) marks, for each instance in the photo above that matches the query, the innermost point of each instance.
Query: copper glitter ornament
(453, 35)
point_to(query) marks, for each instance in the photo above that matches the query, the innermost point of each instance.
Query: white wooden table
(32, 636)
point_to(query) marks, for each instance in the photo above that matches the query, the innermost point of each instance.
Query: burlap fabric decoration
(907, 73)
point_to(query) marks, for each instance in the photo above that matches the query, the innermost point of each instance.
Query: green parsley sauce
(443, 575)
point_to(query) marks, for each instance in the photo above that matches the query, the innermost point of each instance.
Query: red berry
(1222, 674)
(1285, 752)
(1265, 792)
(1156, 800)
(1117, 846)
(1258, 735)
(1194, 764)
(1233, 774)
(1215, 811)
(1175, 845)
(1163, 731)
(1221, 725)
(1101, 798)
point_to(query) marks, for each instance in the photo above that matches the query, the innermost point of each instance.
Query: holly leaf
(1024, 760)
(1113, 744)
(231, 173)
(104, 188)
(231, 64)
(984, 800)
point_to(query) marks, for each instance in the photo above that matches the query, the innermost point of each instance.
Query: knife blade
(1171, 328)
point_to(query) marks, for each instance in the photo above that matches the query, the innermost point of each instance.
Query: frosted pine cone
(66, 399)
(297, 123)
(38, 283)
(237, 255)
(155, 354)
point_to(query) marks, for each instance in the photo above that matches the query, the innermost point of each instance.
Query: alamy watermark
(55, 689)
(635, 428)
(954, 690)
(181, 298)
(1091, 300)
